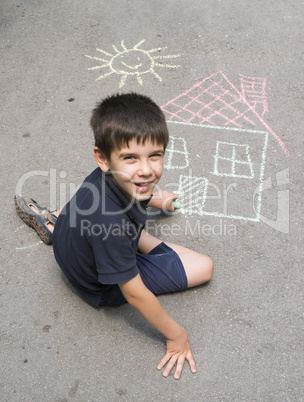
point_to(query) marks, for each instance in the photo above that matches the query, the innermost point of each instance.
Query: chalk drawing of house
(223, 165)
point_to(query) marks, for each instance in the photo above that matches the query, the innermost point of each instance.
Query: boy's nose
(144, 169)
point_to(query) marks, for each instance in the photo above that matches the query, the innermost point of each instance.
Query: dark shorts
(161, 271)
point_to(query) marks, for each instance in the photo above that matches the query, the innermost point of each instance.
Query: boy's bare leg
(147, 242)
(198, 267)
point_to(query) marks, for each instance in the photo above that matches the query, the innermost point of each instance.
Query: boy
(99, 238)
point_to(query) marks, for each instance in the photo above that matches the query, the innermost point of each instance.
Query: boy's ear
(100, 159)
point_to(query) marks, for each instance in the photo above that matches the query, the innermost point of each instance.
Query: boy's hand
(178, 347)
(178, 351)
(163, 200)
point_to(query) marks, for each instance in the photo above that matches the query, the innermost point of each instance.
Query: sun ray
(102, 51)
(156, 75)
(169, 56)
(123, 45)
(115, 48)
(97, 58)
(139, 43)
(166, 65)
(139, 80)
(122, 81)
(97, 67)
(104, 76)
(158, 49)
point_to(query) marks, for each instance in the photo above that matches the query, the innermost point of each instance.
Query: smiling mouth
(143, 187)
(131, 67)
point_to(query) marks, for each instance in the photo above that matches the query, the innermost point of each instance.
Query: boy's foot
(40, 219)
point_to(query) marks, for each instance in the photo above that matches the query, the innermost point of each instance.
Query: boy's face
(136, 169)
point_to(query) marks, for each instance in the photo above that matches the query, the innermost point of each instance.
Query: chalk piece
(176, 204)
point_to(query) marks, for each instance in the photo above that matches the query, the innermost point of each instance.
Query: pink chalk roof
(216, 101)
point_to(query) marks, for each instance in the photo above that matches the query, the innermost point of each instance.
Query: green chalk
(176, 204)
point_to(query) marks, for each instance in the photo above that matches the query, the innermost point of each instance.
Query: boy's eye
(129, 157)
(157, 155)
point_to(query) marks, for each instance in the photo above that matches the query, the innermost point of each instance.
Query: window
(233, 160)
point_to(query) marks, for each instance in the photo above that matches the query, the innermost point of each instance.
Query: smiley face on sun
(132, 62)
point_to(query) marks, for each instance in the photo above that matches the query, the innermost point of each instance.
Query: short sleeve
(114, 254)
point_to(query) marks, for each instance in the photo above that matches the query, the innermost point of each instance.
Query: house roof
(215, 101)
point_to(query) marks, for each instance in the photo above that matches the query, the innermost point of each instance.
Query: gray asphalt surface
(246, 325)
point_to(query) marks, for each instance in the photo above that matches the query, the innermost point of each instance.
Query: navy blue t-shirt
(96, 237)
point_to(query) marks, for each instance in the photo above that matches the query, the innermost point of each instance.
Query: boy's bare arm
(163, 200)
(178, 347)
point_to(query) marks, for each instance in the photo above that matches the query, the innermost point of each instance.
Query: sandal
(37, 218)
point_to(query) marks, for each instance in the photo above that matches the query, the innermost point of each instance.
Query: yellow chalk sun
(132, 62)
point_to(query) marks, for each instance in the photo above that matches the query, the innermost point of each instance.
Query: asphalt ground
(246, 325)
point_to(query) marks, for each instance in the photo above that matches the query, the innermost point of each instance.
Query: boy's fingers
(163, 361)
(191, 361)
(179, 360)
(170, 196)
(179, 367)
(173, 197)
(170, 366)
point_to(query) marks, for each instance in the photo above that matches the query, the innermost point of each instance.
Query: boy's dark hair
(121, 118)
